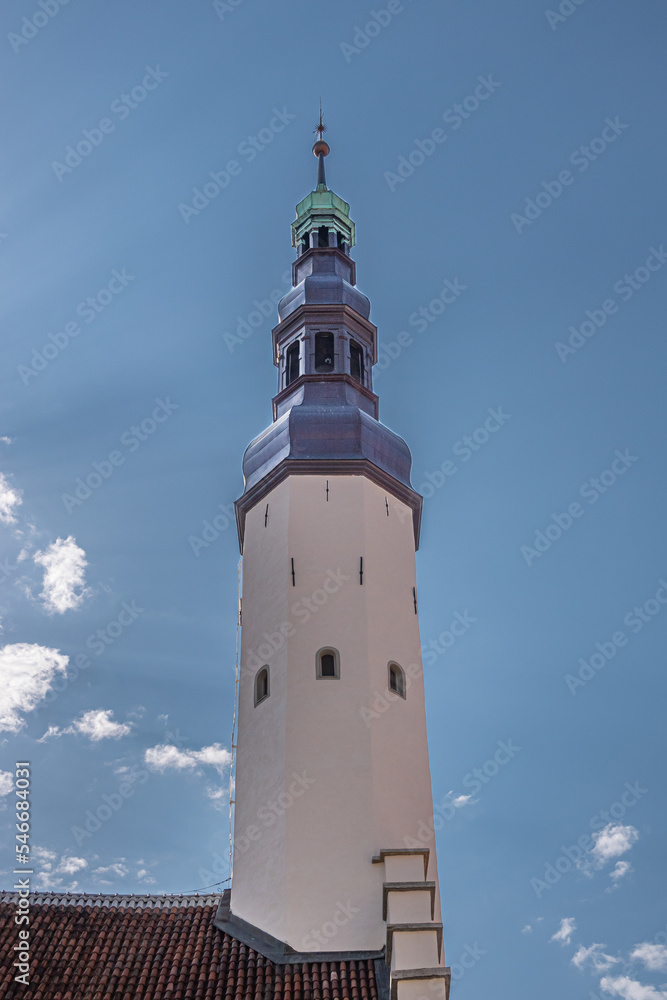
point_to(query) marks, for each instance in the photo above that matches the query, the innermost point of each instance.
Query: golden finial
(321, 148)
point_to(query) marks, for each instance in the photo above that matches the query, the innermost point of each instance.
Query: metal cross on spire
(321, 149)
(320, 128)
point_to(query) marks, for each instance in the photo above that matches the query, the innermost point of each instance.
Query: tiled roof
(101, 947)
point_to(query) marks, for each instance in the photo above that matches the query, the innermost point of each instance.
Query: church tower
(332, 769)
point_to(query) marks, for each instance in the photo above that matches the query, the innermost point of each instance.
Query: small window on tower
(323, 237)
(356, 361)
(293, 364)
(396, 679)
(328, 663)
(324, 352)
(261, 685)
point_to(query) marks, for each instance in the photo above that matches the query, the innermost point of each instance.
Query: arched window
(324, 352)
(327, 662)
(293, 367)
(397, 679)
(262, 684)
(357, 361)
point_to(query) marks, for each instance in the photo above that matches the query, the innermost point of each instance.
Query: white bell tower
(328, 789)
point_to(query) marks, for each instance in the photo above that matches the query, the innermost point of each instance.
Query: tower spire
(321, 149)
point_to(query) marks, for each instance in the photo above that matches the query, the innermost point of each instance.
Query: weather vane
(320, 128)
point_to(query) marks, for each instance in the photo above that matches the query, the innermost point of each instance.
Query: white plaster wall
(307, 877)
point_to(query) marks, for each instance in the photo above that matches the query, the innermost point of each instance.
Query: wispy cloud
(166, 757)
(27, 672)
(63, 585)
(630, 989)
(10, 499)
(117, 868)
(594, 957)
(564, 933)
(6, 782)
(97, 724)
(620, 870)
(654, 956)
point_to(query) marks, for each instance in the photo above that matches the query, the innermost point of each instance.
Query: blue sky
(540, 200)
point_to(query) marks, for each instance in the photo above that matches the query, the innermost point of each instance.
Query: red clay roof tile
(97, 947)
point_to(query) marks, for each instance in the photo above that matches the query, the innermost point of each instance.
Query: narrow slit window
(396, 680)
(324, 352)
(356, 361)
(293, 363)
(261, 684)
(323, 237)
(328, 662)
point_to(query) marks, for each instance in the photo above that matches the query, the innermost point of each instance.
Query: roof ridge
(163, 900)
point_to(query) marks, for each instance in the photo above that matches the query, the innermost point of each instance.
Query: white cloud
(63, 585)
(50, 876)
(527, 929)
(44, 857)
(6, 782)
(654, 956)
(613, 841)
(97, 724)
(5, 439)
(564, 933)
(215, 793)
(595, 957)
(621, 869)
(9, 500)
(117, 868)
(461, 800)
(28, 672)
(51, 731)
(630, 989)
(166, 756)
(70, 865)
(145, 876)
